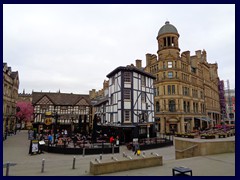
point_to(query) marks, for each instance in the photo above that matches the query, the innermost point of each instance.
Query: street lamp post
(55, 125)
(72, 122)
(147, 119)
(6, 129)
(165, 125)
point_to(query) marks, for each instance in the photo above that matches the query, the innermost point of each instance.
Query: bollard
(83, 152)
(113, 149)
(129, 157)
(114, 158)
(7, 169)
(43, 161)
(156, 154)
(97, 160)
(100, 157)
(74, 160)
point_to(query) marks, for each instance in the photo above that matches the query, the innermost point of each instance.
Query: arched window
(172, 106)
(157, 107)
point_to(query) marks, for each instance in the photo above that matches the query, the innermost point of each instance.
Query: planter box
(188, 136)
(179, 135)
(221, 136)
(124, 165)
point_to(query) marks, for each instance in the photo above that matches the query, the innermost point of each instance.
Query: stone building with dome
(186, 86)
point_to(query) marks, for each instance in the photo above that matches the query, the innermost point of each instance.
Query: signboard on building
(48, 121)
(48, 113)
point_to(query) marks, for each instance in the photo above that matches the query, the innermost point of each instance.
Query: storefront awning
(207, 119)
(118, 125)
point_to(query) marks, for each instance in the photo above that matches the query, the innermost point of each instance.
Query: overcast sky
(74, 47)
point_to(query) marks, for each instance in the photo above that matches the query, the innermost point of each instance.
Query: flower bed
(179, 135)
(189, 136)
(184, 135)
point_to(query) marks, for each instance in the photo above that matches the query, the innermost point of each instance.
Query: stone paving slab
(15, 150)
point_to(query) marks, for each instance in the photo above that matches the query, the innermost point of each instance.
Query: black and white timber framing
(131, 100)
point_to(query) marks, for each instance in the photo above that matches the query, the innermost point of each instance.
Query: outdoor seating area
(209, 133)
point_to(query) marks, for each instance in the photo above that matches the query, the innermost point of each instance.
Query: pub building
(127, 110)
(72, 112)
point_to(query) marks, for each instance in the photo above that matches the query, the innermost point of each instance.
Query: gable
(82, 102)
(45, 100)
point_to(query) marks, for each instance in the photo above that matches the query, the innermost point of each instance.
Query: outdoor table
(182, 171)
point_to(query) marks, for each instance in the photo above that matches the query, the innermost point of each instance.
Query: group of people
(113, 140)
(79, 139)
(62, 138)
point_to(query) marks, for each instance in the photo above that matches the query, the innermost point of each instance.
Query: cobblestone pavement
(15, 150)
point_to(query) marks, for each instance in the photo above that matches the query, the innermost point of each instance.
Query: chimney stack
(139, 63)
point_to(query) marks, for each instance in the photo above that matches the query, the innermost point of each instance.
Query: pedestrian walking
(117, 140)
(136, 149)
(50, 139)
(111, 140)
(41, 143)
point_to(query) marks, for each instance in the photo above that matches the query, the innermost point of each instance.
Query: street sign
(10, 164)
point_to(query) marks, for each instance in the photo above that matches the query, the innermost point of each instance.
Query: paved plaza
(16, 148)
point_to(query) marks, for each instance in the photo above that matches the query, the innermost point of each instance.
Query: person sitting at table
(78, 140)
(69, 139)
(60, 141)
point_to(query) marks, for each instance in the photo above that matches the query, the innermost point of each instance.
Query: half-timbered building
(73, 111)
(131, 103)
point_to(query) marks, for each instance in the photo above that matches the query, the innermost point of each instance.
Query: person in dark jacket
(136, 148)
(75, 140)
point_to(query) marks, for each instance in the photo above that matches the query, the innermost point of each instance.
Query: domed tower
(168, 40)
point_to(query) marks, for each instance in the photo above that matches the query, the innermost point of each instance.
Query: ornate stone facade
(186, 87)
(10, 95)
